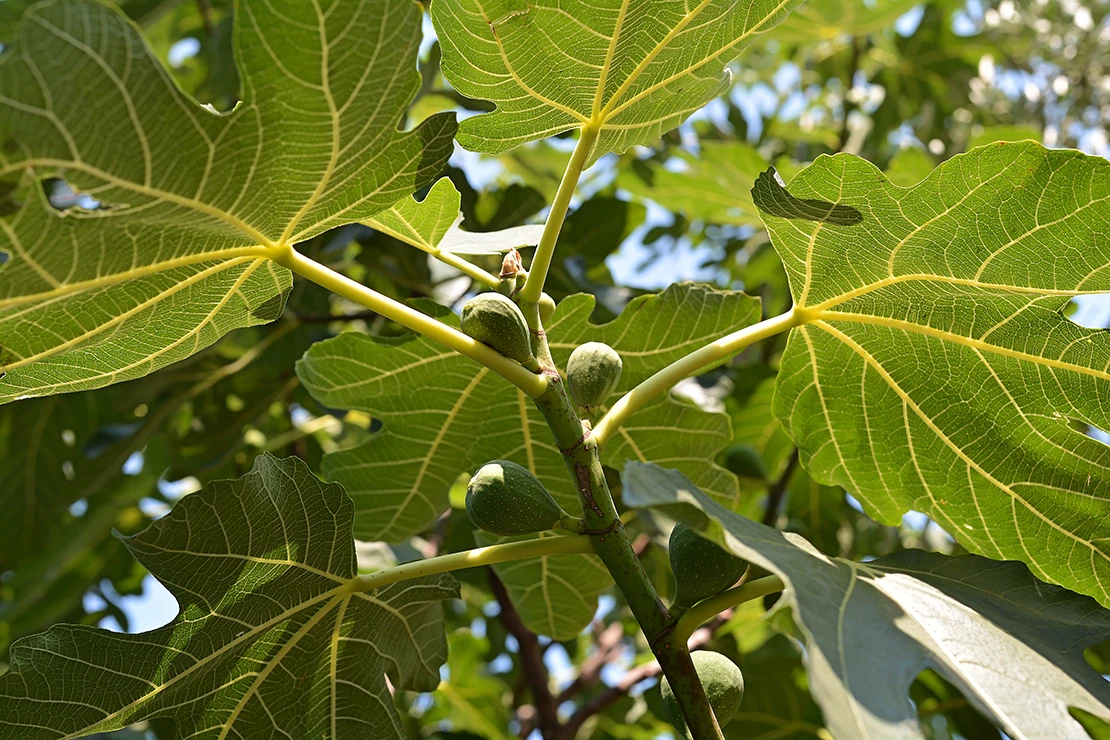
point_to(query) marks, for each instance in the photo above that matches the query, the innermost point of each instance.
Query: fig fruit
(504, 498)
(701, 568)
(495, 321)
(593, 371)
(547, 307)
(724, 687)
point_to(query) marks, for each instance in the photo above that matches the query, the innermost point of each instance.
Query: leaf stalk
(545, 250)
(531, 383)
(691, 364)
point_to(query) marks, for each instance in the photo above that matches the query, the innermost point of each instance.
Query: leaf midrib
(906, 399)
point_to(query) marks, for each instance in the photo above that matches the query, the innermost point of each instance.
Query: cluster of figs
(505, 499)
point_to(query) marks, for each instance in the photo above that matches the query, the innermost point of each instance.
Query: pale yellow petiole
(545, 250)
(691, 364)
(531, 383)
(534, 548)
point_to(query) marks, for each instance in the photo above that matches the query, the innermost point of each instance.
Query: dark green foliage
(504, 498)
(701, 568)
(593, 371)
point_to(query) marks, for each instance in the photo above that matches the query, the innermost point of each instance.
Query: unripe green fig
(547, 307)
(724, 687)
(745, 462)
(593, 371)
(495, 321)
(701, 568)
(504, 498)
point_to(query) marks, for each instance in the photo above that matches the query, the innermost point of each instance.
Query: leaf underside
(935, 369)
(633, 69)
(169, 249)
(270, 639)
(991, 628)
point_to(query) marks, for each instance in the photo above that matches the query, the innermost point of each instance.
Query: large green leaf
(935, 369)
(632, 69)
(271, 639)
(442, 415)
(991, 628)
(191, 203)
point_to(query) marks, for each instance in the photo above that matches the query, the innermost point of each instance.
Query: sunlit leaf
(991, 628)
(631, 69)
(169, 248)
(271, 638)
(935, 369)
(433, 225)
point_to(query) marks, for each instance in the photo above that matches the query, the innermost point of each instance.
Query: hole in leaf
(944, 711)
(1089, 311)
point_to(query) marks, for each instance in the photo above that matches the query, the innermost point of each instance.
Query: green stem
(466, 267)
(545, 250)
(524, 379)
(610, 542)
(703, 611)
(534, 548)
(691, 364)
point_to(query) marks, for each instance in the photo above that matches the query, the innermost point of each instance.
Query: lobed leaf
(630, 69)
(991, 628)
(442, 416)
(555, 596)
(182, 207)
(270, 640)
(934, 368)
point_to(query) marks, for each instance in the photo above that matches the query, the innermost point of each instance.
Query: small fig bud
(701, 568)
(495, 321)
(593, 371)
(724, 687)
(547, 307)
(504, 498)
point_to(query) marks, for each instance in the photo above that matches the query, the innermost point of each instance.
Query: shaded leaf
(991, 628)
(271, 638)
(556, 596)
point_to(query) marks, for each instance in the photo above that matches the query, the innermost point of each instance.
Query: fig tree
(701, 568)
(593, 371)
(495, 321)
(724, 687)
(504, 498)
